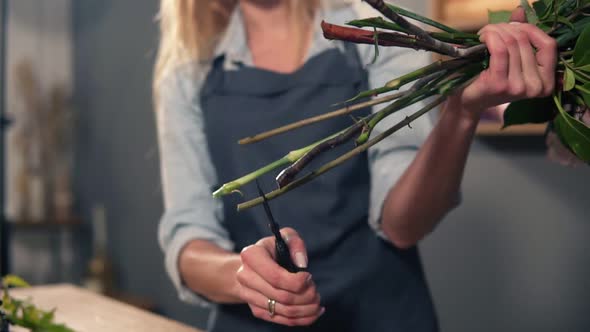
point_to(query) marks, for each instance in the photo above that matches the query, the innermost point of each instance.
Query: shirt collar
(234, 43)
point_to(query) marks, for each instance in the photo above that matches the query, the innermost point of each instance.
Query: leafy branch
(23, 313)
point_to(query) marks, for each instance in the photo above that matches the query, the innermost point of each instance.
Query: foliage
(23, 313)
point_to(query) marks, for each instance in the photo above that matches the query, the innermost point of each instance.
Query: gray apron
(365, 283)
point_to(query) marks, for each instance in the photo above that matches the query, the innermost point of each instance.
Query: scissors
(283, 256)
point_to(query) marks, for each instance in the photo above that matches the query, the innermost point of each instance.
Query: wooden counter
(85, 311)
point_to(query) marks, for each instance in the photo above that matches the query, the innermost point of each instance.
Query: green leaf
(544, 8)
(540, 8)
(539, 110)
(55, 328)
(47, 317)
(585, 68)
(573, 133)
(500, 16)
(567, 7)
(31, 315)
(531, 16)
(545, 27)
(376, 38)
(566, 22)
(565, 34)
(569, 79)
(581, 51)
(14, 281)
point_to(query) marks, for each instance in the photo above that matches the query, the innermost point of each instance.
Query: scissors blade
(283, 256)
(273, 224)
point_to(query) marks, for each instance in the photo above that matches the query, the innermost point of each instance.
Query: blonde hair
(190, 30)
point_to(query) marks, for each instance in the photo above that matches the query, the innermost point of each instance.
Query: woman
(227, 69)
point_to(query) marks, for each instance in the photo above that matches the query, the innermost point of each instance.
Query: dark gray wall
(117, 162)
(513, 257)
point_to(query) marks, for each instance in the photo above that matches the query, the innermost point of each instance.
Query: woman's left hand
(516, 70)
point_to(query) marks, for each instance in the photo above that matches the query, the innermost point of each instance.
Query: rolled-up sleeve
(187, 176)
(389, 159)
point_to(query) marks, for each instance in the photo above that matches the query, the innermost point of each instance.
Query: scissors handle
(282, 253)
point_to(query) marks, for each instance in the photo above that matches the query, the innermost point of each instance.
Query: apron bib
(365, 283)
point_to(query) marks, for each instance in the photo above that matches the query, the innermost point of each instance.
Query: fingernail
(514, 22)
(285, 237)
(309, 278)
(322, 311)
(300, 260)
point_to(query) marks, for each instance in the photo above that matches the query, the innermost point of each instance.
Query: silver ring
(271, 307)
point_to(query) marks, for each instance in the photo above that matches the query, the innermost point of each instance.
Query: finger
(296, 247)
(546, 54)
(518, 15)
(498, 69)
(256, 299)
(530, 72)
(259, 260)
(294, 241)
(516, 84)
(250, 280)
(278, 319)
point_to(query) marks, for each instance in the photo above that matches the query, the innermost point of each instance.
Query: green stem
(376, 22)
(445, 90)
(394, 107)
(350, 154)
(432, 88)
(423, 36)
(422, 19)
(456, 37)
(579, 74)
(322, 117)
(466, 39)
(399, 82)
(291, 157)
(583, 89)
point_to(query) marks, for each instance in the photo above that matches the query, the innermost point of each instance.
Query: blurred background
(83, 198)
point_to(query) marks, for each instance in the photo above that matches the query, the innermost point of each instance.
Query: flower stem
(350, 154)
(235, 185)
(360, 36)
(305, 122)
(456, 37)
(445, 90)
(397, 83)
(441, 47)
(422, 19)
(363, 126)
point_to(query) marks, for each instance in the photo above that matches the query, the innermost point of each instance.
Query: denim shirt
(188, 175)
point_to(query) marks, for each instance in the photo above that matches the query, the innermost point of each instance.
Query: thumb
(296, 246)
(518, 15)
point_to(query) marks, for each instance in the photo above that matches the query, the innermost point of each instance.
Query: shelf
(490, 128)
(469, 15)
(46, 224)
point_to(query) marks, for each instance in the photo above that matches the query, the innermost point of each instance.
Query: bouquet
(567, 21)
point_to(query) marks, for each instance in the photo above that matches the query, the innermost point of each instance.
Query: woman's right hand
(260, 279)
